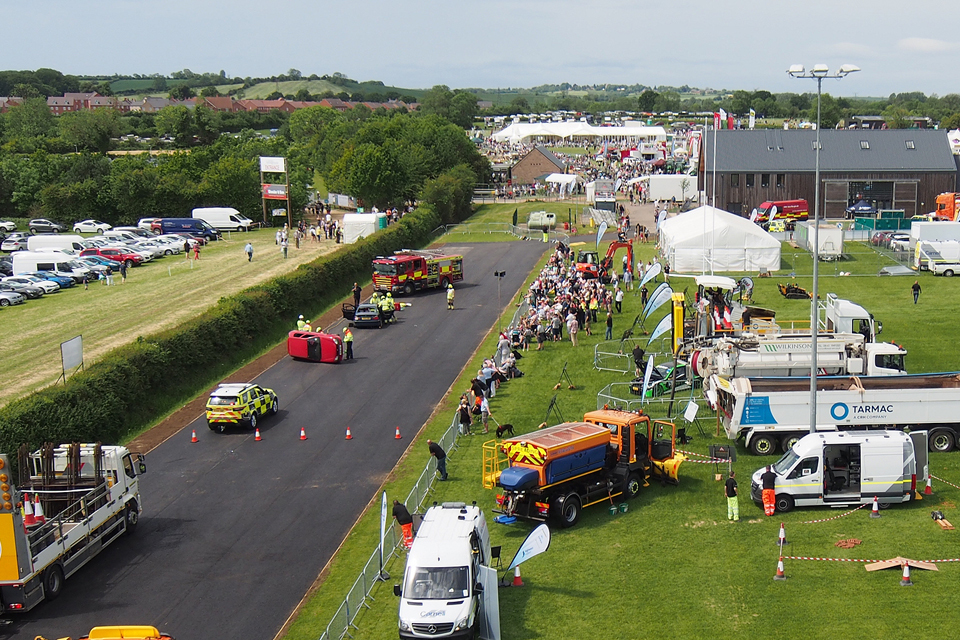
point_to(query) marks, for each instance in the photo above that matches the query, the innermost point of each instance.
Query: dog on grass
(504, 428)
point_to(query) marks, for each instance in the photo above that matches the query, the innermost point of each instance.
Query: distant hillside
(291, 87)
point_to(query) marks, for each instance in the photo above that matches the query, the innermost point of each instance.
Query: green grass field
(156, 296)
(672, 565)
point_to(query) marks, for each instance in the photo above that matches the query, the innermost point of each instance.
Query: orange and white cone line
(782, 536)
(193, 436)
(397, 435)
(38, 509)
(349, 435)
(861, 559)
(875, 512)
(257, 436)
(835, 517)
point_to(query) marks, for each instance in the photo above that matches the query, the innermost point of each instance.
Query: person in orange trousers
(405, 521)
(769, 483)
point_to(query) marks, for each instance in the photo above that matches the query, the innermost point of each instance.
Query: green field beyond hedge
(673, 566)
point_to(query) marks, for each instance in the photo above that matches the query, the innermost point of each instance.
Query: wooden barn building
(536, 164)
(891, 169)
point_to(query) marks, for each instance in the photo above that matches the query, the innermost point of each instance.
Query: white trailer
(829, 239)
(789, 355)
(775, 412)
(668, 187)
(933, 232)
(89, 495)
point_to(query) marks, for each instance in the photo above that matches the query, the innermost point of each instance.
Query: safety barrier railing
(618, 395)
(356, 598)
(500, 227)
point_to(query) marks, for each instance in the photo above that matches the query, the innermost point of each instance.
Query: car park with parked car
(15, 242)
(119, 255)
(42, 225)
(8, 298)
(48, 286)
(65, 282)
(29, 291)
(6, 225)
(367, 315)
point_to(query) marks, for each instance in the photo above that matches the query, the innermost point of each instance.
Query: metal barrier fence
(501, 227)
(358, 594)
(610, 355)
(617, 395)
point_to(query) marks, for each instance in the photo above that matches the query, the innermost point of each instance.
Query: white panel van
(55, 241)
(58, 263)
(224, 218)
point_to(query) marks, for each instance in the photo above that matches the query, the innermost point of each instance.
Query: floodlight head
(848, 68)
(820, 70)
(796, 70)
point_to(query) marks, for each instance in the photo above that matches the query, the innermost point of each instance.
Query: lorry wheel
(787, 442)
(132, 516)
(632, 486)
(570, 511)
(408, 289)
(763, 446)
(253, 420)
(942, 441)
(53, 582)
(948, 273)
(784, 503)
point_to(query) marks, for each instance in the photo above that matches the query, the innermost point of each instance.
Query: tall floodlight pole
(499, 276)
(818, 73)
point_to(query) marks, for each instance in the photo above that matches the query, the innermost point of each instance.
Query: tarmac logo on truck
(525, 452)
(841, 411)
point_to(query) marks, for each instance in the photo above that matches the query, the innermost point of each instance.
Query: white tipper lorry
(772, 413)
(69, 503)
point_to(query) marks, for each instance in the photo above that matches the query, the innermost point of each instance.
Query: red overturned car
(314, 346)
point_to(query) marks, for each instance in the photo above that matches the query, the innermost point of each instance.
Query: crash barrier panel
(357, 596)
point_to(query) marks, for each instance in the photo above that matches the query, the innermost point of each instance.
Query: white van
(55, 241)
(448, 577)
(223, 218)
(842, 468)
(58, 263)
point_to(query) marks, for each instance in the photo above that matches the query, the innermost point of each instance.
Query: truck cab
(442, 591)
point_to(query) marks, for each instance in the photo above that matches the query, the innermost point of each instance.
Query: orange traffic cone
(905, 581)
(303, 433)
(928, 490)
(38, 509)
(257, 436)
(875, 513)
(29, 519)
(782, 536)
(349, 435)
(396, 436)
(517, 582)
(779, 575)
(193, 436)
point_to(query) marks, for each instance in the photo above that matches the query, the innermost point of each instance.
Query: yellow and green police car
(235, 403)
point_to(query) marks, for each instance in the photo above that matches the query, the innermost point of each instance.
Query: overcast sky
(495, 43)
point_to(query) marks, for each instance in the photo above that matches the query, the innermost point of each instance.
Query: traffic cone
(782, 536)
(397, 434)
(928, 490)
(517, 582)
(349, 436)
(257, 437)
(29, 519)
(303, 433)
(905, 581)
(193, 436)
(779, 575)
(38, 509)
(875, 513)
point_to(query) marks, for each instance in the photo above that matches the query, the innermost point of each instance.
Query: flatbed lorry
(555, 472)
(768, 413)
(69, 503)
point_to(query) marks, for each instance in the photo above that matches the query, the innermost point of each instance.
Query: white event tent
(522, 132)
(708, 240)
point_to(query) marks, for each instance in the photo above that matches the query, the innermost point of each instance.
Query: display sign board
(278, 213)
(274, 191)
(71, 353)
(273, 165)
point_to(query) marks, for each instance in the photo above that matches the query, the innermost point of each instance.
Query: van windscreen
(436, 583)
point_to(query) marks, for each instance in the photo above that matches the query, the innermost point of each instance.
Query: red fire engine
(407, 271)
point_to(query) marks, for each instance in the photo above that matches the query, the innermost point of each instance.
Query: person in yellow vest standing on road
(307, 326)
(348, 341)
(391, 306)
(300, 323)
(450, 295)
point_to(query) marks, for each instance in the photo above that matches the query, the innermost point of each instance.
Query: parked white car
(6, 225)
(900, 242)
(146, 223)
(170, 245)
(91, 226)
(155, 249)
(48, 286)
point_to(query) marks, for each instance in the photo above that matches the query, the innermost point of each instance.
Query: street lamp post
(499, 276)
(818, 73)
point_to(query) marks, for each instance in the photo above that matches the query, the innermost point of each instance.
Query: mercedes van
(843, 468)
(223, 218)
(447, 574)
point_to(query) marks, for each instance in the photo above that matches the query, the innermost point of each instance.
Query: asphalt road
(235, 531)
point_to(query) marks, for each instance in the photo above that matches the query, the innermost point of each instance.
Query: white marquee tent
(707, 240)
(521, 132)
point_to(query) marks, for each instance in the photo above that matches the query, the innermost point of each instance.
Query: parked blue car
(63, 281)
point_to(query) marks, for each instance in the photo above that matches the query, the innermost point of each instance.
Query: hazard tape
(861, 559)
(835, 517)
(944, 481)
(708, 460)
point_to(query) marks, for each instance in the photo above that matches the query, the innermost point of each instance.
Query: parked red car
(314, 346)
(131, 259)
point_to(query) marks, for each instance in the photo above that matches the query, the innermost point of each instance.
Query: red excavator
(590, 266)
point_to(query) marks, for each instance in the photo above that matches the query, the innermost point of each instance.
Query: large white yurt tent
(710, 240)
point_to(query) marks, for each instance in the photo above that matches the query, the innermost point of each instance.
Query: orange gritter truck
(554, 473)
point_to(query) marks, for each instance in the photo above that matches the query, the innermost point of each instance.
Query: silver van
(843, 468)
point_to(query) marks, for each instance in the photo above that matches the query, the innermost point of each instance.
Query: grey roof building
(893, 169)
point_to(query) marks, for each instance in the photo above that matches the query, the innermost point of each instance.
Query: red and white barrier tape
(860, 559)
(708, 460)
(836, 517)
(944, 481)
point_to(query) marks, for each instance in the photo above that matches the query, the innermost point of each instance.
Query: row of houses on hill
(82, 101)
